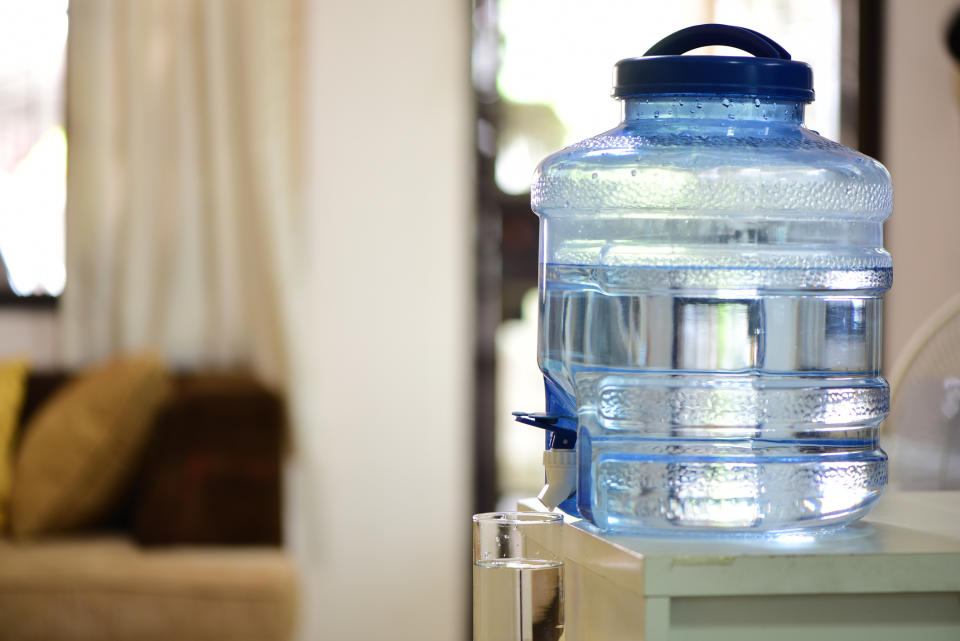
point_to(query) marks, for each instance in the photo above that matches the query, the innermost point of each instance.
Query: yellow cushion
(13, 378)
(80, 447)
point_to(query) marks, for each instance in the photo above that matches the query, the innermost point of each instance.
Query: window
(542, 72)
(33, 148)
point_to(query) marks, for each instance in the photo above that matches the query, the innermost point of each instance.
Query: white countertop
(909, 543)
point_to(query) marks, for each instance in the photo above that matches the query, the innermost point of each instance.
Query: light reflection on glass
(794, 538)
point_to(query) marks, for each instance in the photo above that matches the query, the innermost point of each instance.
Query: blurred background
(334, 196)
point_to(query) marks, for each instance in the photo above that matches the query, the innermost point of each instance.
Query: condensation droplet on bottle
(756, 103)
(656, 114)
(725, 102)
(593, 175)
(633, 172)
(679, 102)
(731, 117)
(699, 106)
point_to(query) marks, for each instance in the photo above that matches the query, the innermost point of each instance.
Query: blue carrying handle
(705, 35)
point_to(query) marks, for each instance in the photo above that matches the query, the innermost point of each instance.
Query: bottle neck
(700, 107)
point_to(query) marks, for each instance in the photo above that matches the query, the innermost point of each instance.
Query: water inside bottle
(745, 397)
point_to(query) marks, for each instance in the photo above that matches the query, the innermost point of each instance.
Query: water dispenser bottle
(711, 282)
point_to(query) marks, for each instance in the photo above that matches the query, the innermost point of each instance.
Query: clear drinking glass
(517, 577)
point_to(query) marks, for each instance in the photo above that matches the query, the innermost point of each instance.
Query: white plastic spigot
(561, 473)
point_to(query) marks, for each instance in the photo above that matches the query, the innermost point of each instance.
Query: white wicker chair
(922, 432)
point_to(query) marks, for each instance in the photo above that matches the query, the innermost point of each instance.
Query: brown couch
(191, 550)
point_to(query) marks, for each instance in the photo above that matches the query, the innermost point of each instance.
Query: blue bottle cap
(663, 70)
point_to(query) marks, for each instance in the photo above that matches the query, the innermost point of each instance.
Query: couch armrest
(211, 473)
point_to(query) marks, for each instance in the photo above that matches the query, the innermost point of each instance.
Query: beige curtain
(183, 118)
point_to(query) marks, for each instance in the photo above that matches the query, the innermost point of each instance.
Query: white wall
(390, 206)
(30, 333)
(921, 147)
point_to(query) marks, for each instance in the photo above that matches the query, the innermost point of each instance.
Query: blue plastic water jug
(711, 282)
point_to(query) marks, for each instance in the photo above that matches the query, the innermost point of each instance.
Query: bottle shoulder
(718, 142)
(714, 166)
